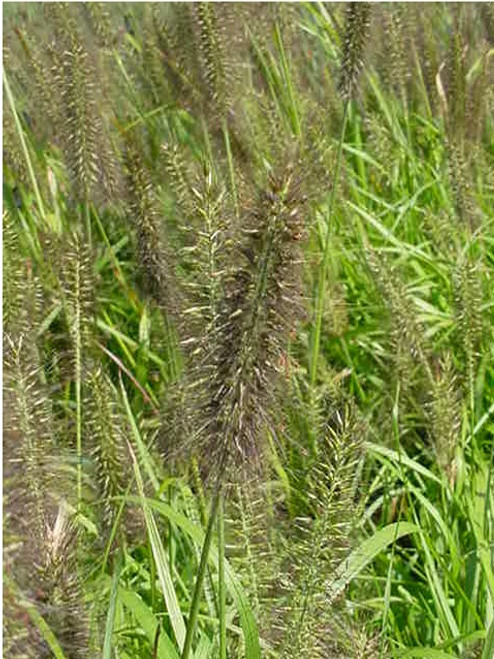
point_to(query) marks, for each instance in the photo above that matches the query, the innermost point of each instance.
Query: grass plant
(248, 330)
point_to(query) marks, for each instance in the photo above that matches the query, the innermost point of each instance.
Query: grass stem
(321, 285)
(221, 579)
(196, 597)
(25, 150)
(231, 168)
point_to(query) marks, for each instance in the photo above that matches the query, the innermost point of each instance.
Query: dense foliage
(248, 254)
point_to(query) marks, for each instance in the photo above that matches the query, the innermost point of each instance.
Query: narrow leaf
(246, 615)
(148, 622)
(110, 619)
(160, 557)
(363, 555)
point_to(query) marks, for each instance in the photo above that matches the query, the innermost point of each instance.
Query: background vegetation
(248, 253)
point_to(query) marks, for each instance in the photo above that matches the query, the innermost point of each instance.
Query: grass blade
(147, 621)
(488, 651)
(110, 619)
(368, 550)
(45, 632)
(161, 560)
(246, 615)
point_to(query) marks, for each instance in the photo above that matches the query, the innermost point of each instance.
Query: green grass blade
(426, 653)
(363, 555)
(246, 615)
(25, 150)
(201, 574)
(221, 580)
(110, 619)
(45, 632)
(160, 557)
(488, 651)
(204, 648)
(148, 622)
(401, 458)
(144, 454)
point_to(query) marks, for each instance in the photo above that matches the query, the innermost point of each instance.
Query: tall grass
(248, 330)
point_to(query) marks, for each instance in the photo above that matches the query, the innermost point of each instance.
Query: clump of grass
(326, 478)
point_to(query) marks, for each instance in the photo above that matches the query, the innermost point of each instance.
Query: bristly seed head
(356, 30)
(254, 314)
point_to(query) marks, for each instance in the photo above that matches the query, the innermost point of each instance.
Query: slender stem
(231, 169)
(152, 576)
(24, 146)
(171, 542)
(221, 579)
(87, 210)
(78, 400)
(78, 379)
(321, 287)
(196, 597)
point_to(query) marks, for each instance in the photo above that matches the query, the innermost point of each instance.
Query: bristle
(395, 66)
(177, 42)
(205, 257)
(100, 22)
(153, 253)
(213, 50)
(86, 147)
(427, 49)
(324, 536)
(354, 42)
(45, 103)
(30, 419)
(252, 551)
(446, 415)
(477, 101)
(456, 83)
(79, 289)
(464, 114)
(468, 297)
(178, 176)
(106, 432)
(152, 63)
(461, 185)
(63, 601)
(13, 158)
(79, 127)
(407, 334)
(254, 315)
(347, 640)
